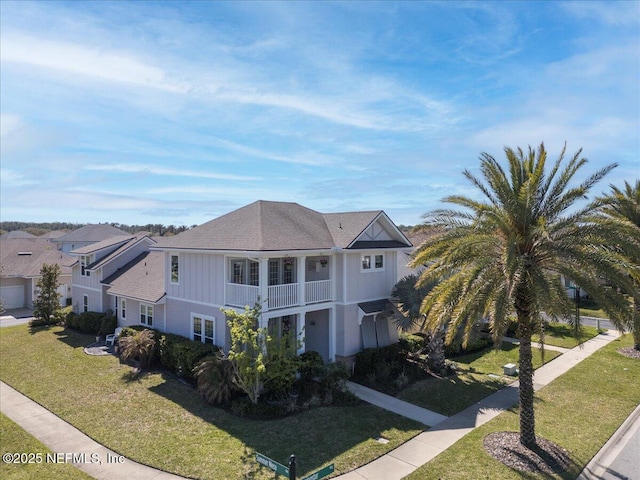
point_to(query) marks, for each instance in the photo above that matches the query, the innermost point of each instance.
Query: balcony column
(263, 283)
(300, 332)
(332, 334)
(300, 278)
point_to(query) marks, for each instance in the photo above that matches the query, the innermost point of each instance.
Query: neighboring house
(87, 235)
(327, 277)
(100, 261)
(137, 291)
(21, 260)
(17, 234)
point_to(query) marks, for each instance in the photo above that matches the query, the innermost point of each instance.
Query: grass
(579, 411)
(157, 420)
(472, 383)
(17, 440)
(562, 335)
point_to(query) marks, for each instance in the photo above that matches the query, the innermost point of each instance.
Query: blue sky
(178, 112)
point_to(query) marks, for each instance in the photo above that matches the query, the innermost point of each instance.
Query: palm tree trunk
(636, 324)
(525, 375)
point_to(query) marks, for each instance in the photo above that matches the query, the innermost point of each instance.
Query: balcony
(279, 296)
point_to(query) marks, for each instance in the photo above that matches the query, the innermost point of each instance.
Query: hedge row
(175, 352)
(95, 323)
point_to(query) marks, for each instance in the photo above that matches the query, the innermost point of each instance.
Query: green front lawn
(472, 383)
(16, 440)
(562, 335)
(579, 411)
(157, 420)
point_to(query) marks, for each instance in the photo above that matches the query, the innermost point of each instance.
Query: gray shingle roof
(95, 247)
(91, 233)
(140, 279)
(17, 234)
(24, 257)
(275, 226)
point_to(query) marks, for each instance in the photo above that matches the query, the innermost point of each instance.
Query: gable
(381, 233)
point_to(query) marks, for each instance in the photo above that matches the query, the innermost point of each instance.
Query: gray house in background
(327, 277)
(98, 262)
(21, 260)
(85, 236)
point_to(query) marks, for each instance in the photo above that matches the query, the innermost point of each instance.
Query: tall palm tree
(625, 205)
(504, 255)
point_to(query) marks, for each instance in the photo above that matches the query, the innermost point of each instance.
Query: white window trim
(85, 261)
(85, 303)
(171, 269)
(372, 263)
(202, 319)
(123, 308)
(146, 307)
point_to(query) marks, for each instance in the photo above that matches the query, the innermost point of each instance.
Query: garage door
(12, 297)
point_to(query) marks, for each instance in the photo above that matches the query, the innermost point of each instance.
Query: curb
(600, 463)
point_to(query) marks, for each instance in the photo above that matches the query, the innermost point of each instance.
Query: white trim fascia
(162, 301)
(393, 225)
(75, 285)
(101, 264)
(250, 253)
(196, 302)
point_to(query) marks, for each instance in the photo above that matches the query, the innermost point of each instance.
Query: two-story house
(97, 264)
(327, 277)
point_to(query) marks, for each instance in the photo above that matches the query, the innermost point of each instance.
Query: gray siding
(201, 278)
(114, 264)
(179, 314)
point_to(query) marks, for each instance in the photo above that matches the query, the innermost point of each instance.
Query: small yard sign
(323, 472)
(273, 465)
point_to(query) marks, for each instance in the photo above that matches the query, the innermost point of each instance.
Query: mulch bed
(547, 458)
(629, 352)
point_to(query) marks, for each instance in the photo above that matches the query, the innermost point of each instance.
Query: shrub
(214, 378)
(412, 343)
(108, 324)
(139, 346)
(474, 345)
(310, 365)
(186, 355)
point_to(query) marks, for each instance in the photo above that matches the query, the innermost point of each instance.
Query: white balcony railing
(281, 296)
(318, 291)
(242, 295)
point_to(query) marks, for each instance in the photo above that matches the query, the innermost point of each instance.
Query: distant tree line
(38, 229)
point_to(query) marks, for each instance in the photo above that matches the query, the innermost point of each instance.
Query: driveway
(18, 316)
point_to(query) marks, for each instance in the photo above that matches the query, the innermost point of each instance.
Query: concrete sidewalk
(424, 447)
(63, 438)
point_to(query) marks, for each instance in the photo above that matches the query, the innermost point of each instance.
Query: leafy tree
(47, 303)
(505, 253)
(625, 205)
(248, 352)
(138, 346)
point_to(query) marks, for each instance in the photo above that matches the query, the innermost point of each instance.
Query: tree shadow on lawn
(316, 436)
(74, 339)
(472, 357)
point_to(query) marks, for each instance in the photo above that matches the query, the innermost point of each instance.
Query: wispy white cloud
(165, 171)
(622, 13)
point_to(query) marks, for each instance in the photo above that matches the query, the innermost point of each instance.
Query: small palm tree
(505, 254)
(139, 346)
(410, 299)
(625, 205)
(215, 379)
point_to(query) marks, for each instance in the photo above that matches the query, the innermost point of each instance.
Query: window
(371, 263)
(203, 329)
(238, 272)
(175, 269)
(239, 269)
(85, 303)
(123, 308)
(85, 260)
(146, 315)
(282, 271)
